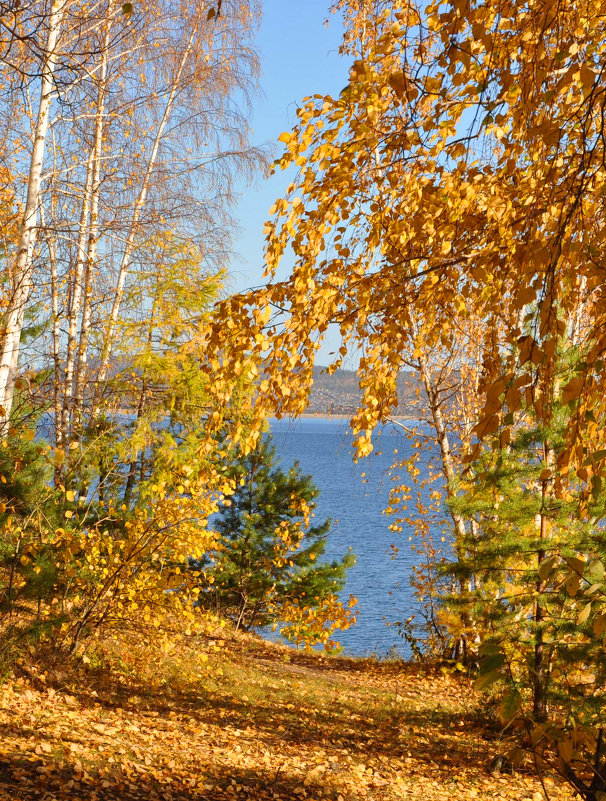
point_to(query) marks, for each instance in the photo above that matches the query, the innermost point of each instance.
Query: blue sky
(299, 57)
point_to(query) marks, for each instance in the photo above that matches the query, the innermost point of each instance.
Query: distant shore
(320, 415)
(303, 416)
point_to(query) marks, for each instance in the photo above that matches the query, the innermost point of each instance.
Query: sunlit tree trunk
(434, 400)
(138, 207)
(77, 345)
(21, 278)
(56, 336)
(76, 298)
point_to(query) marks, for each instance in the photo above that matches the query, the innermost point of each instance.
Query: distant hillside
(340, 393)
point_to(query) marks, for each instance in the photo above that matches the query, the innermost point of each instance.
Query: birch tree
(148, 126)
(22, 270)
(137, 119)
(462, 165)
(163, 154)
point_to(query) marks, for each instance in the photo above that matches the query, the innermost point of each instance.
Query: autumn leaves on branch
(446, 214)
(122, 130)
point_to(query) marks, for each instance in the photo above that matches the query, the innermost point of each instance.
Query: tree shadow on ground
(357, 726)
(362, 719)
(25, 780)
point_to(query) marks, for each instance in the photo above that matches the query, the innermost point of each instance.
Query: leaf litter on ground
(235, 718)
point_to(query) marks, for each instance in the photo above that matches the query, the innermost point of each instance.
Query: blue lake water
(354, 496)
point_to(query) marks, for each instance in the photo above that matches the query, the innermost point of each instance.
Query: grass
(219, 716)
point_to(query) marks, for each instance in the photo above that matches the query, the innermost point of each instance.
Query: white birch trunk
(80, 354)
(52, 257)
(76, 298)
(138, 207)
(23, 267)
(448, 466)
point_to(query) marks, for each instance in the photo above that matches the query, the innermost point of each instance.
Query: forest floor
(202, 717)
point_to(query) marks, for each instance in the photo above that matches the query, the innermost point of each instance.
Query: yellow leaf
(547, 566)
(584, 614)
(572, 389)
(573, 584)
(587, 77)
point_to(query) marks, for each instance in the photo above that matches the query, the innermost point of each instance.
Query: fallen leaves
(261, 723)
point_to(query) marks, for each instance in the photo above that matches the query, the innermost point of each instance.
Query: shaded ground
(213, 719)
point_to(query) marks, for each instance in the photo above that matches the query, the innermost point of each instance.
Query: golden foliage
(460, 172)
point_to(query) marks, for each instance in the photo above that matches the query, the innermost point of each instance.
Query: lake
(354, 496)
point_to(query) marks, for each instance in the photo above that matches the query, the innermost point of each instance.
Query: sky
(299, 57)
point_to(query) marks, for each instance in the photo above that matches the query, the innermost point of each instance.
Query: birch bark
(22, 272)
(77, 344)
(138, 207)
